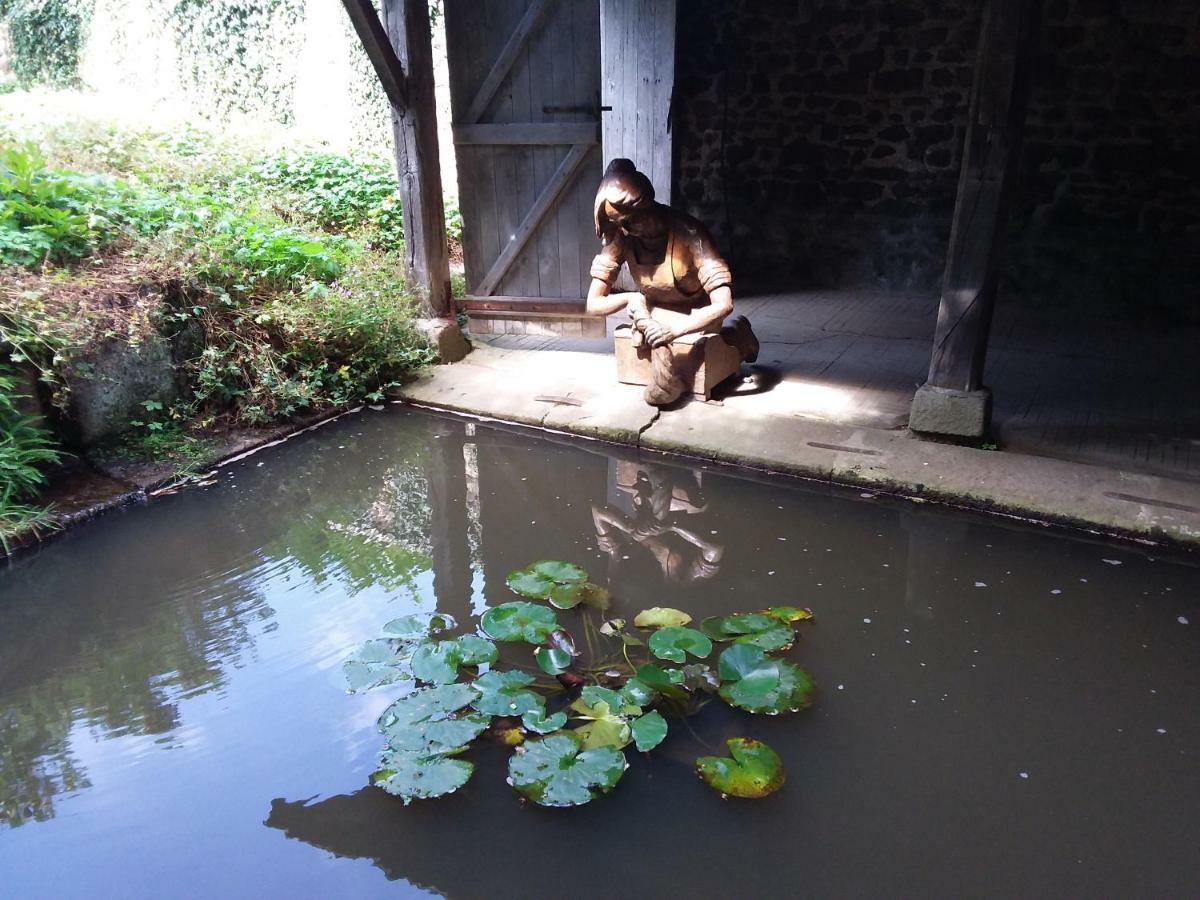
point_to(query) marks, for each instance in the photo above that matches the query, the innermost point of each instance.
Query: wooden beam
(504, 62)
(549, 306)
(562, 177)
(418, 165)
(990, 156)
(545, 133)
(379, 50)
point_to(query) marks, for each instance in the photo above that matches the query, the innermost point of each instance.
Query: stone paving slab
(575, 392)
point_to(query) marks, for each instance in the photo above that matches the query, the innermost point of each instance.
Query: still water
(1001, 710)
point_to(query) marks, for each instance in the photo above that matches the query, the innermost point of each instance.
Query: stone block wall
(821, 139)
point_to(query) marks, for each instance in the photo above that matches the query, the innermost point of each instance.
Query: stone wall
(821, 139)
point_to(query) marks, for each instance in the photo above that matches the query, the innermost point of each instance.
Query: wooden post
(417, 162)
(954, 401)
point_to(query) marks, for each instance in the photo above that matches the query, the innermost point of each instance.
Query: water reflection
(663, 516)
(185, 657)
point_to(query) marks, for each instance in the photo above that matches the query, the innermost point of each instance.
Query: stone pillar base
(446, 337)
(951, 413)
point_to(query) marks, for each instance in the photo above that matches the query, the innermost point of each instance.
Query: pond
(1001, 709)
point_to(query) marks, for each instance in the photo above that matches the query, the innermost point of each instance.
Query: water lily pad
(529, 584)
(428, 720)
(661, 617)
(612, 627)
(377, 663)
(519, 622)
(558, 571)
(698, 676)
(754, 771)
(419, 625)
(568, 596)
(551, 660)
(781, 637)
(438, 661)
(788, 613)
(752, 681)
(635, 692)
(675, 643)
(417, 776)
(506, 694)
(667, 682)
(726, 628)
(555, 771)
(648, 730)
(537, 720)
(562, 640)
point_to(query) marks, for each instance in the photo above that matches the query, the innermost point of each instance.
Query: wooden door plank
(545, 159)
(586, 42)
(528, 133)
(546, 199)
(504, 61)
(522, 277)
(374, 39)
(990, 155)
(417, 160)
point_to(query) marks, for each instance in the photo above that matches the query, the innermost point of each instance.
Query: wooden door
(637, 38)
(525, 96)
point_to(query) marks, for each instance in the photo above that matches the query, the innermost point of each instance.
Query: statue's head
(624, 201)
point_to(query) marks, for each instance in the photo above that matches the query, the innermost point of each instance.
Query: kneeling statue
(683, 289)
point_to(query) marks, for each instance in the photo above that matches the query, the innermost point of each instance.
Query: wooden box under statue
(702, 360)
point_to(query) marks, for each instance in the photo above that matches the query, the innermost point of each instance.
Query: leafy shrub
(25, 448)
(334, 193)
(46, 37)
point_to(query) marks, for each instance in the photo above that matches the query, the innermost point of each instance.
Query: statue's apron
(657, 282)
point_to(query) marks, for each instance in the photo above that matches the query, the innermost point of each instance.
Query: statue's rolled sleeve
(607, 263)
(713, 273)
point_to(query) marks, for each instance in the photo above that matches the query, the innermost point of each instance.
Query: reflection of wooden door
(524, 90)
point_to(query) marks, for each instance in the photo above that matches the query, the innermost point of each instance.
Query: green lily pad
(419, 625)
(726, 628)
(552, 660)
(781, 637)
(428, 720)
(506, 694)
(661, 617)
(635, 692)
(568, 596)
(788, 613)
(754, 771)
(537, 720)
(376, 663)
(554, 771)
(519, 622)
(648, 730)
(657, 677)
(558, 571)
(438, 661)
(416, 776)
(752, 681)
(529, 584)
(698, 676)
(675, 643)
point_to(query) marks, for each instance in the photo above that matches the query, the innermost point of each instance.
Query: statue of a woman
(683, 284)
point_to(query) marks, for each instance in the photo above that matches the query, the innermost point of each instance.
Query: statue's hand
(657, 334)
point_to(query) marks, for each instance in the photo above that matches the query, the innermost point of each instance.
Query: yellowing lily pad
(788, 613)
(661, 617)
(754, 771)
(555, 771)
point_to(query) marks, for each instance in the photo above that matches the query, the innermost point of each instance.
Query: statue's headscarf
(623, 188)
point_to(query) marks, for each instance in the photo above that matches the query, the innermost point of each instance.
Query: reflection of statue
(662, 507)
(683, 284)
